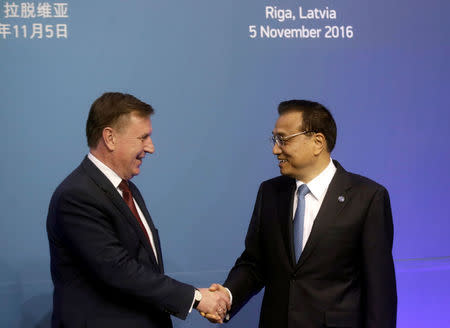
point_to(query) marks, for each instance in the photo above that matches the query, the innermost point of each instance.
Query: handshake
(215, 303)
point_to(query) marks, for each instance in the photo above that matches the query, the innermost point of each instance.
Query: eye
(282, 140)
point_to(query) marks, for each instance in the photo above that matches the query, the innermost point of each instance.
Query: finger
(222, 315)
(225, 297)
(214, 317)
(211, 318)
(228, 303)
(215, 321)
(223, 305)
(214, 287)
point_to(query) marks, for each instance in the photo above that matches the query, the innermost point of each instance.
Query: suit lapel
(138, 197)
(110, 191)
(284, 206)
(331, 206)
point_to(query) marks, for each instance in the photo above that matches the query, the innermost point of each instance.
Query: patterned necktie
(128, 198)
(299, 220)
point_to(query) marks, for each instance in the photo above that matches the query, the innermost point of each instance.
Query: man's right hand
(213, 305)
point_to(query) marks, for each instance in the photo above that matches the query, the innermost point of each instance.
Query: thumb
(214, 287)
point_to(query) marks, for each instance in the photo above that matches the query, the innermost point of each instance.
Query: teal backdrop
(215, 72)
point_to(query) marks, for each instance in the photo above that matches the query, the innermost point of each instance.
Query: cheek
(134, 152)
(296, 155)
(292, 153)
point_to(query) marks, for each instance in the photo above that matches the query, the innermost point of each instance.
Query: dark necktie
(128, 198)
(299, 220)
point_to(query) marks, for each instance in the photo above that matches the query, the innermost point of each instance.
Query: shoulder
(362, 182)
(78, 184)
(367, 190)
(75, 180)
(355, 180)
(278, 183)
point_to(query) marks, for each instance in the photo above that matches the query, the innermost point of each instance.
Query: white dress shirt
(313, 200)
(116, 180)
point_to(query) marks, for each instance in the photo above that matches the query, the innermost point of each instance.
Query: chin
(287, 173)
(284, 171)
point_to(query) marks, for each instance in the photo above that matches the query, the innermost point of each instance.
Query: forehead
(287, 123)
(137, 123)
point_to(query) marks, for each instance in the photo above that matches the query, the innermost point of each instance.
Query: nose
(149, 147)
(276, 150)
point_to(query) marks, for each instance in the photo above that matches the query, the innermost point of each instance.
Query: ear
(109, 138)
(320, 143)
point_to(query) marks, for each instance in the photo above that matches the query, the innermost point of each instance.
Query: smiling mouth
(282, 161)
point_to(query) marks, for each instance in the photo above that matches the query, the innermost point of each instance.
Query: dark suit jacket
(103, 268)
(345, 276)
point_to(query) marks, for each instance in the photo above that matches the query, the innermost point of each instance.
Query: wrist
(197, 298)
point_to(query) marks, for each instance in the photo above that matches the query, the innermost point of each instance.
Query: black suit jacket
(103, 268)
(345, 276)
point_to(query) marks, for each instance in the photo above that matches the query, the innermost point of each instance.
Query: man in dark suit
(320, 238)
(106, 260)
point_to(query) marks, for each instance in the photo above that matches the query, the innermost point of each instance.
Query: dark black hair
(315, 118)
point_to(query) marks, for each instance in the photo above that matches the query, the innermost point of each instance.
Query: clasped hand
(215, 303)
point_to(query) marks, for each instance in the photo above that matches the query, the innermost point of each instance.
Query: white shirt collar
(319, 185)
(110, 174)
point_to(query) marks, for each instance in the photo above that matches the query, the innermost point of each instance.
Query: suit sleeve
(246, 278)
(378, 266)
(89, 236)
